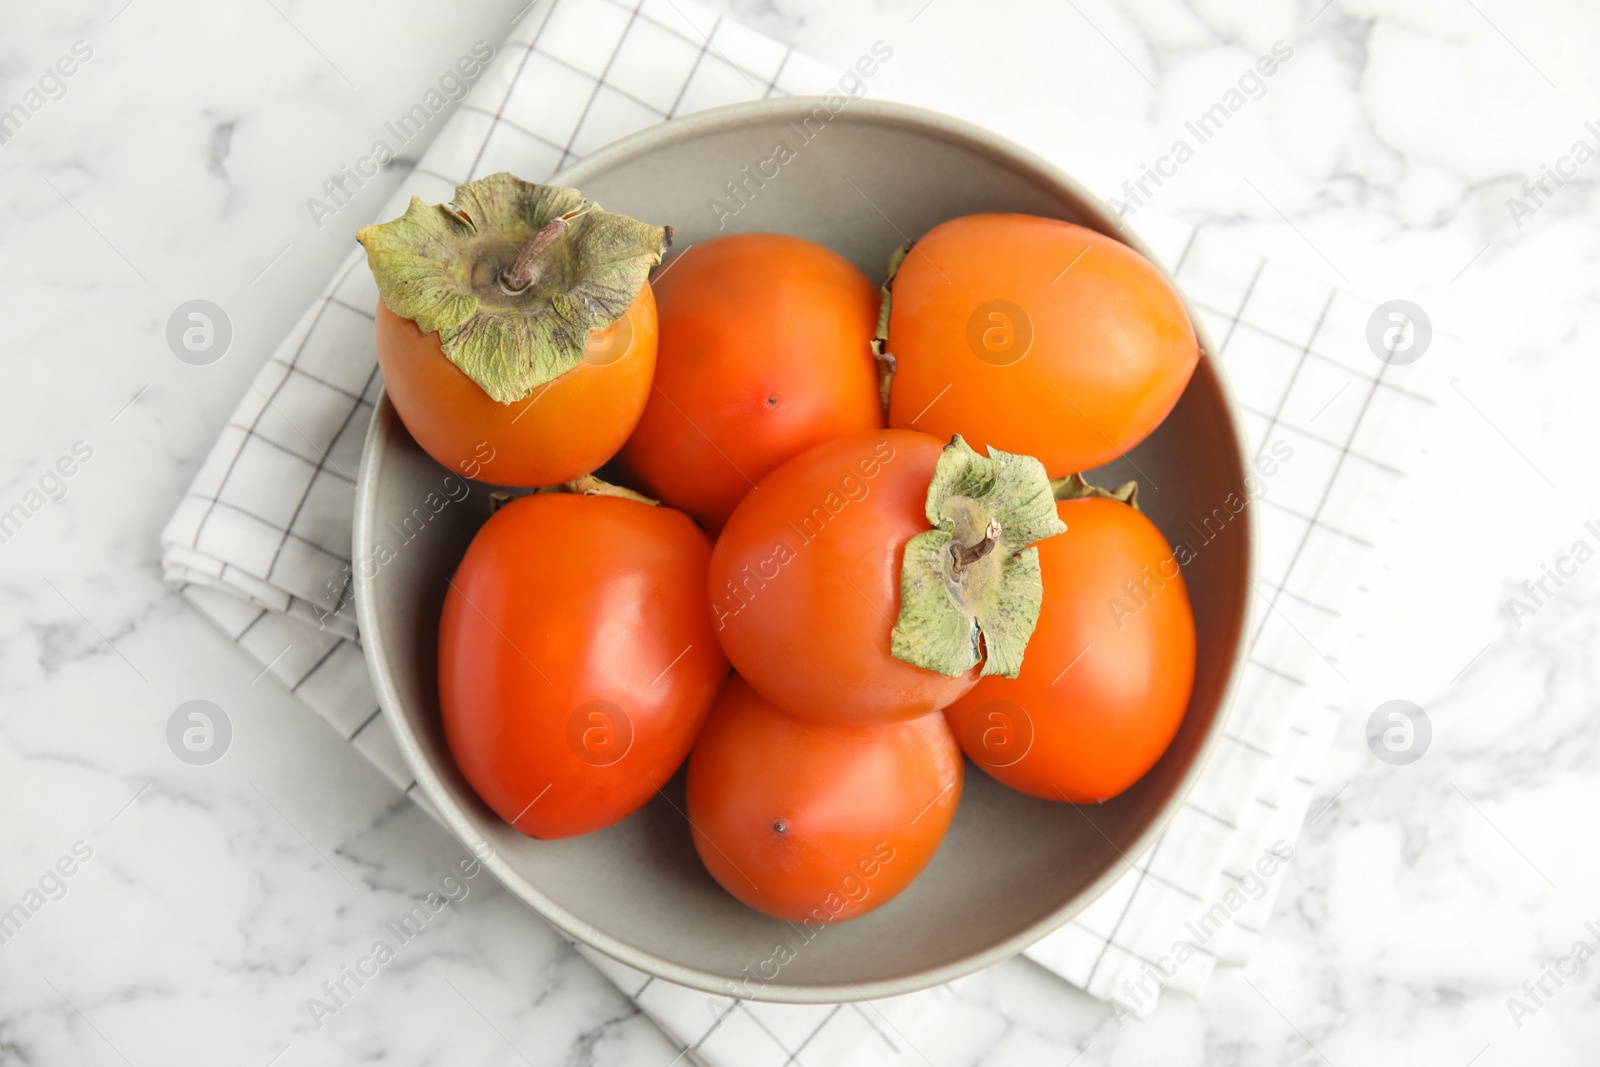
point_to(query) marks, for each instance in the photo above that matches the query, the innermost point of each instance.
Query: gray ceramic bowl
(1012, 868)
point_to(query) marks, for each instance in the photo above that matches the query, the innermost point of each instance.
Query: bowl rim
(456, 819)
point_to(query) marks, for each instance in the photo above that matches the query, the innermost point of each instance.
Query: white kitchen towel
(261, 542)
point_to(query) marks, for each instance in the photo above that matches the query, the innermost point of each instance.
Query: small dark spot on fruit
(772, 400)
(779, 826)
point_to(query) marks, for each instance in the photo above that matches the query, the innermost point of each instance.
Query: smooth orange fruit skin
(765, 352)
(1112, 348)
(1085, 725)
(576, 663)
(862, 809)
(569, 427)
(805, 581)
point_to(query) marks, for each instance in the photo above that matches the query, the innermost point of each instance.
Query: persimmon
(1036, 336)
(516, 330)
(875, 577)
(765, 351)
(813, 822)
(1109, 668)
(576, 663)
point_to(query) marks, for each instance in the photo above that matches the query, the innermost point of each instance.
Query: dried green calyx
(514, 276)
(880, 337)
(1075, 487)
(970, 588)
(589, 485)
(583, 485)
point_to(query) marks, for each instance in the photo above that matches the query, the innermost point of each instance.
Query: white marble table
(205, 904)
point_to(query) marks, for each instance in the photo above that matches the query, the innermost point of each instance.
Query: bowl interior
(1012, 868)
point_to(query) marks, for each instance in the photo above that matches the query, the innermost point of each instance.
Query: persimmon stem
(525, 269)
(964, 556)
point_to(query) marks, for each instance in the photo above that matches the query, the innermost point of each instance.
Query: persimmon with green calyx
(874, 578)
(516, 330)
(1033, 335)
(765, 351)
(1110, 666)
(814, 822)
(576, 662)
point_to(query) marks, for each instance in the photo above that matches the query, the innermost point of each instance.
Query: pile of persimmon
(867, 500)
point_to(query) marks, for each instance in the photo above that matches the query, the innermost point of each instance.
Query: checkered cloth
(261, 541)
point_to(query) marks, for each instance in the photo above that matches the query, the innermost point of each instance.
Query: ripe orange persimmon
(1109, 669)
(1035, 336)
(575, 661)
(812, 822)
(805, 581)
(515, 329)
(867, 579)
(570, 426)
(765, 351)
